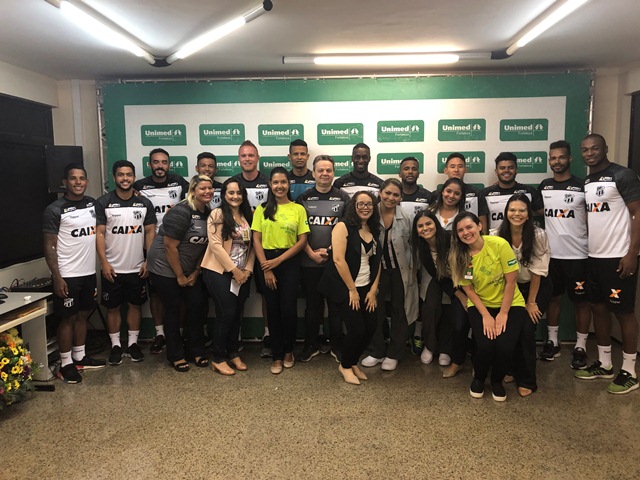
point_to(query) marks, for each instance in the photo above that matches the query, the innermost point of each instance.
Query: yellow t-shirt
(290, 221)
(487, 270)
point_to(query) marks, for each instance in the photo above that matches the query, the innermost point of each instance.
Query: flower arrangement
(16, 368)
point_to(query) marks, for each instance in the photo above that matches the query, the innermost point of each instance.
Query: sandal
(181, 366)
(201, 362)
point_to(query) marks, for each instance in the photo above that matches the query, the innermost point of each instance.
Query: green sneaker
(594, 371)
(416, 345)
(624, 383)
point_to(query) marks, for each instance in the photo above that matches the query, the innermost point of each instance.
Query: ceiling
(36, 36)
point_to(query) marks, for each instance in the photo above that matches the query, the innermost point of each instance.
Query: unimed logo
(475, 161)
(519, 129)
(178, 165)
(280, 133)
(462, 129)
(340, 133)
(531, 162)
(389, 163)
(401, 131)
(227, 166)
(163, 135)
(269, 163)
(222, 134)
(342, 164)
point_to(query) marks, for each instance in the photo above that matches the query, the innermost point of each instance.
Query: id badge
(245, 235)
(468, 275)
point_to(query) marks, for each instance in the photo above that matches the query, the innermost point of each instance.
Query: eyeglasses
(362, 205)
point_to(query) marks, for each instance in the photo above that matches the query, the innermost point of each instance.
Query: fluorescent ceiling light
(380, 59)
(548, 19)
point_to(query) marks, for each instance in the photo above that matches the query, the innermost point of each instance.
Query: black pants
(525, 358)
(282, 304)
(437, 321)
(314, 311)
(495, 355)
(360, 325)
(229, 308)
(196, 300)
(390, 282)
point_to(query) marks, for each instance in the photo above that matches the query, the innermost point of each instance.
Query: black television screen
(23, 197)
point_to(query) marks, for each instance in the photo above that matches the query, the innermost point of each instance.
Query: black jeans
(391, 282)
(282, 303)
(196, 300)
(314, 311)
(360, 324)
(495, 355)
(229, 308)
(437, 322)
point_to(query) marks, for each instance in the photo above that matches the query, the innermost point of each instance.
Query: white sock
(418, 330)
(581, 341)
(115, 339)
(133, 336)
(266, 331)
(159, 330)
(604, 355)
(553, 334)
(78, 352)
(65, 358)
(629, 363)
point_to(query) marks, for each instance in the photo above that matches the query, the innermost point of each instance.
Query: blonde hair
(191, 193)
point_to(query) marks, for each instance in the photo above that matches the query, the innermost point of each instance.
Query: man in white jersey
(126, 226)
(359, 178)
(164, 189)
(69, 229)
(207, 164)
(612, 193)
(565, 215)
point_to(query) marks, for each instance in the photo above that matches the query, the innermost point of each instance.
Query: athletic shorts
(569, 276)
(82, 296)
(126, 287)
(151, 289)
(604, 285)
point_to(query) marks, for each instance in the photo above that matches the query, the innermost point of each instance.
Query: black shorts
(569, 276)
(82, 296)
(151, 289)
(604, 285)
(127, 287)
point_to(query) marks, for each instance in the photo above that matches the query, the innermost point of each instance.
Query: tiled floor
(146, 421)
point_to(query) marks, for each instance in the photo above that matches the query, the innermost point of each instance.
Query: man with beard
(359, 178)
(125, 229)
(414, 196)
(300, 177)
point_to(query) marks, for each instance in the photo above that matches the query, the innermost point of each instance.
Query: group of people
(386, 256)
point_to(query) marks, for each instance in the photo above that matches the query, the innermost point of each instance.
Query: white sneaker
(389, 364)
(426, 356)
(444, 360)
(370, 361)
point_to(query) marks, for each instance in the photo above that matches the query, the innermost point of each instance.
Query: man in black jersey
(164, 189)
(414, 197)
(566, 226)
(612, 194)
(359, 178)
(69, 229)
(206, 164)
(325, 206)
(300, 177)
(126, 226)
(474, 200)
(497, 195)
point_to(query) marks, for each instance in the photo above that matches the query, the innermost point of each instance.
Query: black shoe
(550, 352)
(578, 359)
(88, 363)
(266, 351)
(308, 353)
(337, 354)
(158, 345)
(115, 357)
(325, 344)
(497, 392)
(135, 353)
(69, 374)
(476, 390)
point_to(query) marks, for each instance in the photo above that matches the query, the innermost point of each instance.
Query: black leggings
(360, 325)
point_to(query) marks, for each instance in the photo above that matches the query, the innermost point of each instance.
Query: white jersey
(565, 218)
(607, 194)
(163, 195)
(257, 189)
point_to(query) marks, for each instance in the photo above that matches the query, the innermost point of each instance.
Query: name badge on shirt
(468, 275)
(245, 235)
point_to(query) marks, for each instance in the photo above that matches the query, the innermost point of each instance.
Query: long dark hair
(271, 205)
(228, 222)
(528, 228)
(459, 253)
(421, 248)
(435, 207)
(351, 219)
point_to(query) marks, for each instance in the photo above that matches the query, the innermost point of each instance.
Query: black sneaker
(337, 354)
(578, 359)
(594, 371)
(158, 345)
(134, 352)
(325, 344)
(69, 374)
(266, 351)
(308, 353)
(497, 392)
(476, 390)
(115, 356)
(623, 383)
(550, 352)
(88, 363)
